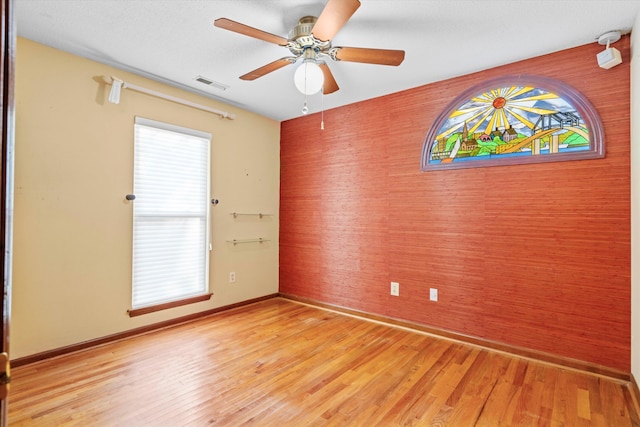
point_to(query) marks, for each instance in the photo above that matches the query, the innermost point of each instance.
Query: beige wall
(72, 231)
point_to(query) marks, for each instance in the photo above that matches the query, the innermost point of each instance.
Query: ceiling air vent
(212, 83)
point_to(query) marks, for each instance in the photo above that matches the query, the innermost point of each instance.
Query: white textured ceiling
(174, 41)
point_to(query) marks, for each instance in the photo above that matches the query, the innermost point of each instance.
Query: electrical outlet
(433, 294)
(395, 289)
(232, 277)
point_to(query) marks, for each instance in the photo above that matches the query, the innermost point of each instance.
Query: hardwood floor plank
(282, 363)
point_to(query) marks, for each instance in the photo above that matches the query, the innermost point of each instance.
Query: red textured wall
(534, 256)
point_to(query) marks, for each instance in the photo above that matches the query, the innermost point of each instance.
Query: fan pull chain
(322, 114)
(305, 109)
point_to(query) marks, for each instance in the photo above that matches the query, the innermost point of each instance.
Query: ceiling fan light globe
(308, 78)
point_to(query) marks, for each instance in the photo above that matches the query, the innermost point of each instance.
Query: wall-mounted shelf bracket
(239, 241)
(261, 215)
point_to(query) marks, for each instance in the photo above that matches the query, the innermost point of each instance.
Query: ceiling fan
(310, 40)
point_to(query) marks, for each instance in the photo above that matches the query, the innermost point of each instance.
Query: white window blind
(170, 213)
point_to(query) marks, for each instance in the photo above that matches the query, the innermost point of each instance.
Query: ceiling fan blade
(237, 27)
(370, 56)
(335, 14)
(266, 69)
(330, 84)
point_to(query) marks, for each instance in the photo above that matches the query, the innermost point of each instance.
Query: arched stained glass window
(514, 120)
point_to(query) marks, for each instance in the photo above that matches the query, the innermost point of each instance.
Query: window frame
(203, 293)
(570, 95)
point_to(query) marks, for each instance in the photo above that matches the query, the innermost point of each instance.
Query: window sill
(153, 308)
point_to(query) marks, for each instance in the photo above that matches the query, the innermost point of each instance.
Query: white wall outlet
(232, 277)
(395, 289)
(433, 294)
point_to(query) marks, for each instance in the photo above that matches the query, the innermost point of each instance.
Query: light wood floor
(280, 363)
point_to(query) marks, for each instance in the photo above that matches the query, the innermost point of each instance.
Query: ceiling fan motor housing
(301, 40)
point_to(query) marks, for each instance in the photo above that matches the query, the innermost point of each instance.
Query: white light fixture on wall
(610, 56)
(309, 77)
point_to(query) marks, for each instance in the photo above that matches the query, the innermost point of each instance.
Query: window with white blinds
(170, 213)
